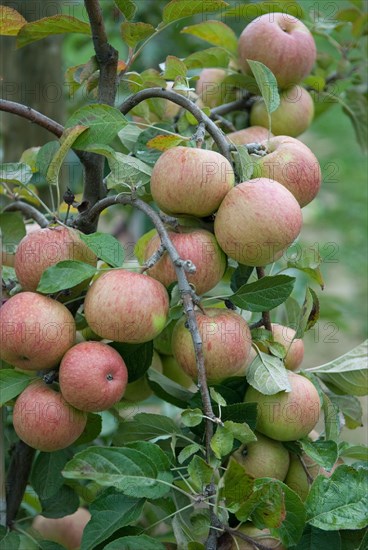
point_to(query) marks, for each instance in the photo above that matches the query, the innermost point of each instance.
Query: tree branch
(253, 542)
(32, 115)
(219, 138)
(19, 470)
(265, 314)
(239, 105)
(28, 211)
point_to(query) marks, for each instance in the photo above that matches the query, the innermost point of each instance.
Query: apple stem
(266, 319)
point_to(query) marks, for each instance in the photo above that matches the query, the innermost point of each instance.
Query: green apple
(262, 536)
(139, 390)
(263, 458)
(172, 370)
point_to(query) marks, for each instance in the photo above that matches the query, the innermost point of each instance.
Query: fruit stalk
(266, 319)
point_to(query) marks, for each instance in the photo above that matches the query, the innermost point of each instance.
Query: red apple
(212, 90)
(294, 347)
(292, 164)
(199, 246)
(287, 416)
(292, 117)
(263, 458)
(35, 331)
(282, 43)
(44, 420)
(253, 134)
(257, 221)
(126, 307)
(226, 344)
(67, 531)
(45, 247)
(189, 181)
(92, 376)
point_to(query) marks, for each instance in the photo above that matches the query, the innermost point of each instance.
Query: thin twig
(254, 543)
(2, 467)
(32, 115)
(28, 211)
(305, 468)
(265, 314)
(238, 105)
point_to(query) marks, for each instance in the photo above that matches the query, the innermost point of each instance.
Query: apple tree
(151, 400)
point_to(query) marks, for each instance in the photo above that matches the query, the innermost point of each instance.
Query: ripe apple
(67, 531)
(253, 134)
(191, 181)
(263, 458)
(296, 477)
(226, 344)
(35, 331)
(126, 307)
(292, 164)
(252, 355)
(199, 246)
(292, 117)
(257, 221)
(282, 43)
(286, 416)
(92, 376)
(44, 420)
(139, 390)
(172, 370)
(45, 247)
(212, 90)
(294, 347)
(262, 536)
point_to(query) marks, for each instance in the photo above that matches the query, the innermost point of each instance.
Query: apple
(67, 531)
(257, 221)
(35, 331)
(172, 370)
(92, 376)
(291, 118)
(226, 344)
(262, 536)
(126, 307)
(191, 181)
(292, 164)
(263, 458)
(294, 347)
(252, 355)
(43, 248)
(296, 477)
(282, 43)
(44, 420)
(212, 90)
(286, 416)
(199, 246)
(139, 390)
(253, 134)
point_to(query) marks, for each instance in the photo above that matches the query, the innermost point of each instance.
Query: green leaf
(240, 276)
(191, 417)
(241, 412)
(255, 10)
(292, 526)
(135, 469)
(332, 419)
(267, 374)
(12, 383)
(46, 478)
(244, 162)
(187, 452)
(315, 539)
(137, 358)
(264, 294)
(212, 57)
(222, 442)
(216, 33)
(62, 503)
(56, 24)
(44, 159)
(127, 171)
(129, 135)
(200, 473)
(237, 486)
(174, 67)
(15, 172)
(64, 275)
(351, 408)
(10, 21)
(324, 453)
(103, 122)
(355, 107)
(162, 143)
(139, 542)
(267, 83)
(142, 151)
(11, 541)
(240, 431)
(111, 511)
(127, 8)
(106, 247)
(339, 502)
(133, 33)
(145, 426)
(178, 9)
(348, 372)
(91, 431)
(168, 390)
(217, 397)
(12, 230)
(358, 452)
(308, 262)
(70, 135)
